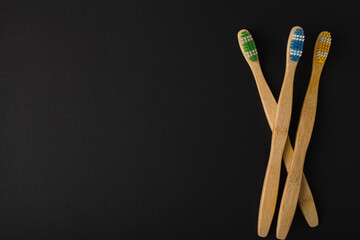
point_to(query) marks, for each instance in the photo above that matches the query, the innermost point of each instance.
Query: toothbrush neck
(290, 71)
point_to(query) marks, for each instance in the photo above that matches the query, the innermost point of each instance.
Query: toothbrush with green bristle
(248, 48)
(303, 136)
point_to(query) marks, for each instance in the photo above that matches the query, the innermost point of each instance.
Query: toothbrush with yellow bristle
(303, 136)
(248, 48)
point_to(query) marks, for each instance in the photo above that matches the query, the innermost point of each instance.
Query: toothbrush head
(323, 47)
(248, 45)
(297, 44)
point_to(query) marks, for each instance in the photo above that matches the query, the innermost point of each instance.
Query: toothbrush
(280, 132)
(303, 135)
(248, 48)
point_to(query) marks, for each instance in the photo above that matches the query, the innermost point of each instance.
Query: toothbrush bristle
(323, 47)
(297, 44)
(249, 45)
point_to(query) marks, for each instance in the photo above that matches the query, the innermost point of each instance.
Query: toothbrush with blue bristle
(280, 133)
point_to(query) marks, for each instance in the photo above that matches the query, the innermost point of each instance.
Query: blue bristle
(296, 45)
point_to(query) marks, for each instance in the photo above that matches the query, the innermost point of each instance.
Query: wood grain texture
(293, 184)
(306, 201)
(278, 140)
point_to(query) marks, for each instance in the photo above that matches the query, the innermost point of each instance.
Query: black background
(141, 120)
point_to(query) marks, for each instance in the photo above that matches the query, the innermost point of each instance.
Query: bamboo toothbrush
(303, 135)
(248, 48)
(280, 133)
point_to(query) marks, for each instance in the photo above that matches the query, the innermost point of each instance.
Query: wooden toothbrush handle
(271, 184)
(278, 141)
(288, 203)
(291, 190)
(293, 180)
(306, 200)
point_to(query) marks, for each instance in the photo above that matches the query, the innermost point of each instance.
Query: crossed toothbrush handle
(306, 200)
(303, 136)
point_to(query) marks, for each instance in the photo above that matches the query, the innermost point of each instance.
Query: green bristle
(244, 34)
(249, 46)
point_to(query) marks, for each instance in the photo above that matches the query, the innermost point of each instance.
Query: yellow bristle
(323, 47)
